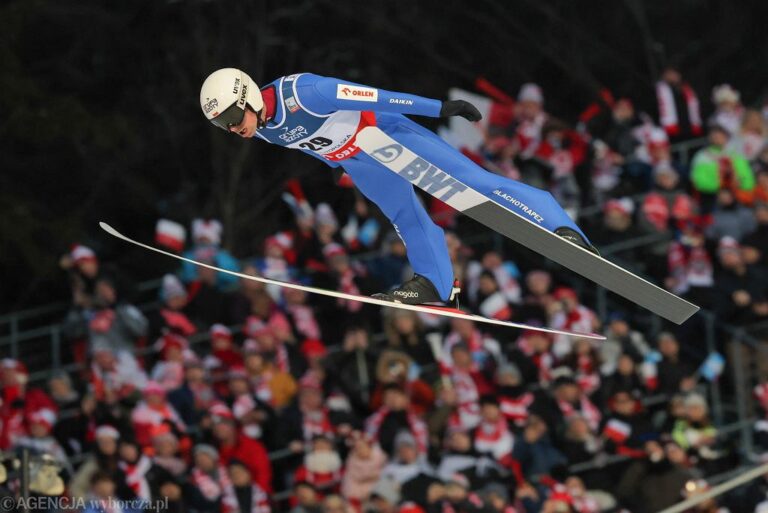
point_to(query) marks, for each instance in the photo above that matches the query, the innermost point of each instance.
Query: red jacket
(254, 455)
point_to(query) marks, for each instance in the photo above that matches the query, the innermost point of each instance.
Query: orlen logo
(356, 93)
(212, 104)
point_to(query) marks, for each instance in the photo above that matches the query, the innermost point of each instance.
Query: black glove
(460, 108)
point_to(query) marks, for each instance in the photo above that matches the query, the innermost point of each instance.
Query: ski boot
(416, 291)
(572, 235)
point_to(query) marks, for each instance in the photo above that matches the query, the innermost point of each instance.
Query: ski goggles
(231, 116)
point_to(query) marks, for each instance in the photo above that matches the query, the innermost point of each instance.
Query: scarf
(178, 322)
(416, 426)
(516, 408)
(135, 476)
(668, 110)
(316, 423)
(144, 414)
(259, 501)
(468, 408)
(348, 286)
(588, 410)
(304, 321)
(494, 438)
(690, 267)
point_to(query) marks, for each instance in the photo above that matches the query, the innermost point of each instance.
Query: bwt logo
(421, 173)
(388, 153)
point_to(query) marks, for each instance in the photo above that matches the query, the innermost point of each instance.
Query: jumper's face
(249, 124)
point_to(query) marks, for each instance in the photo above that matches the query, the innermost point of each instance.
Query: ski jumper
(321, 116)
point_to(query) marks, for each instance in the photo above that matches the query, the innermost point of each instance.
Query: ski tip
(104, 226)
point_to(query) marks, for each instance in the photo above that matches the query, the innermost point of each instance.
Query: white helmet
(224, 95)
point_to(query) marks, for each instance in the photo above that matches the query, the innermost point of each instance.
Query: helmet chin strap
(260, 123)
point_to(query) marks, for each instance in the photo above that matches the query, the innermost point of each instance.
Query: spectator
(208, 488)
(674, 374)
(407, 462)
(233, 444)
(716, 167)
(655, 483)
(141, 475)
(39, 439)
(567, 313)
(750, 140)
(269, 383)
(206, 236)
(395, 367)
(171, 316)
(393, 417)
(405, 332)
(535, 450)
(740, 285)
(695, 432)
(492, 435)
(154, 410)
(166, 451)
(323, 468)
(101, 496)
(250, 497)
(353, 369)
(663, 211)
(678, 106)
(562, 151)
(306, 497)
(115, 374)
(83, 267)
(730, 218)
(109, 323)
(194, 396)
(620, 341)
(728, 109)
(754, 246)
(169, 371)
(363, 468)
(105, 460)
(19, 402)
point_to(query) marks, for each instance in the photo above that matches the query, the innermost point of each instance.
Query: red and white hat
(221, 412)
(80, 253)
(324, 215)
(153, 388)
(623, 205)
(22, 374)
(255, 327)
(281, 240)
(44, 416)
(530, 92)
(171, 341)
(107, 431)
(333, 249)
(170, 234)
(207, 230)
(221, 331)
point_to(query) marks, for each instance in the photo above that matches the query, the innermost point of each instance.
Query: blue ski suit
(321, 116)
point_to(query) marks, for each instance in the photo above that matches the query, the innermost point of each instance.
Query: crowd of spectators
(233, 396)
